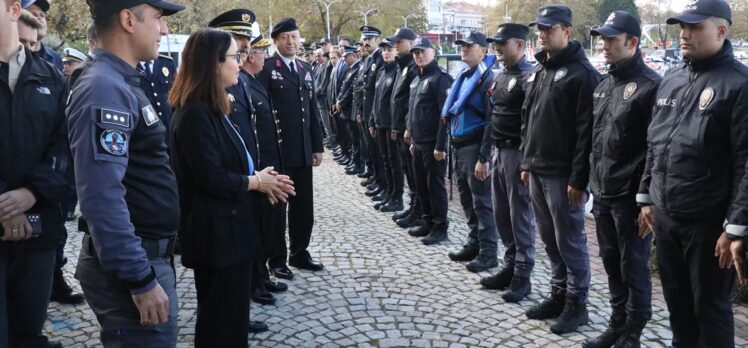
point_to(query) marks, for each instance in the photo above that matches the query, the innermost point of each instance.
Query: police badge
(629, 90)
(706, 98)
(512, 83)
(165, 71)
(560, 73)
(231, 98)
(374, 67)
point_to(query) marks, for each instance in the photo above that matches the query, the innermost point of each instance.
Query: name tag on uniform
(149, 115)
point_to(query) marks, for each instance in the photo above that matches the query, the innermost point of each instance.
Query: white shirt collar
(15, 65)
(288, 61)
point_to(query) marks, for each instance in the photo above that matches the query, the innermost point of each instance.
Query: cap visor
(167, 8)
(497, 39)
(464, 42)
(605, 31)
(385, 44)
(544, 22)
(688, 18)
(417, 48)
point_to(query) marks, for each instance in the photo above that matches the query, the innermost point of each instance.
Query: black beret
(284, 25)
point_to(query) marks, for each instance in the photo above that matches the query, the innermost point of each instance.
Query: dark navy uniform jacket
(157, 85)
(507, 95)
(266, 125)
(296, 109)
(126, 188)
(371, 65)
(406, 72)
(347, 90)
(428, 93)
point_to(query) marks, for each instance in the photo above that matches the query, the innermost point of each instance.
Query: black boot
(366, 173)
(467, 253)
(631, 335)
(482, 263)
(374, 191)
(610, 335)
(381, 203)
(261, 295)
(393, 205)
(257, 326)
(574, 315)
(403, 214)
(381, 197)
(372, 186)
(410, 221)
(498, 281)
(355, 170)
(367, 182)
(518, 289)
(435, 237)
(550, 308)
(420, 231)
(62, 292)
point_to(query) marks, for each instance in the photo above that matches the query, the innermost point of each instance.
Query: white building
(454, 16)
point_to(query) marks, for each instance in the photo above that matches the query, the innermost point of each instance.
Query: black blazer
(219, 223)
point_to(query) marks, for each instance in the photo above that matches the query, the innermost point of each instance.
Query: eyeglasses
(237, 56)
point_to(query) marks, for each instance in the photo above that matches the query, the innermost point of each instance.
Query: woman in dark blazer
(219, 189)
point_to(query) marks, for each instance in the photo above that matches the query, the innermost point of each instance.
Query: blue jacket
(467, 105)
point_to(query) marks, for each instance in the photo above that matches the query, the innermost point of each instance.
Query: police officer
(361, 164)
(427, 134)
(71, 59)
(622, 110)
(370, 42)
(557, 121)
(403, 40)
(466, 111)
(345, 104)
(341, 154)
(127, 191)
(379, 126)
(513, 214)
(291, 87)
(31, 187)
(244, 116)
(157, 76)
(698, 142)
(39, 9)
(321, 81)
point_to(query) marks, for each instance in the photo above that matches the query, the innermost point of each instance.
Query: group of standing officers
(663, 157)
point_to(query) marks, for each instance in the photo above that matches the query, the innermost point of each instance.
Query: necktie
(292, 65)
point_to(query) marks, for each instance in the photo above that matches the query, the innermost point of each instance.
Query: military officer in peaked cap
(290, 84)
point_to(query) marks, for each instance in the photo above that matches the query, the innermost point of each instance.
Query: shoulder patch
(114, 117)
(149, 115)
(114, 141)
(706, 98)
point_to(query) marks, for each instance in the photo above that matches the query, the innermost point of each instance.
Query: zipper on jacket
(678, 118)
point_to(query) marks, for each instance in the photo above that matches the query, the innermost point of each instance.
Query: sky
(676, 4)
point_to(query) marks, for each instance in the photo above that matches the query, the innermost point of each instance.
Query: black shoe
(275, 286)
(355, 170)
(611, 334)
(393, 205)
(371, 193)
(383, 202)
(54, 344)
(345, 161)
(550, 308)
(282, 272)
(381, 197)
(62, 292)
(403, 214)
(257, 326)
(435, 237)
(420, 231)
(366, 173)
(467, 253)
(262, 296)
(574, 315)
(306, 263)
(410, 221)
(482, 263)
(518, 289)
(373, 186)
(498, 281)
(367, 182)
(631, 335)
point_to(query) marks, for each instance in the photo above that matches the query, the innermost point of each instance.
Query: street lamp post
(327, 13)
(405, 18)
(367, 14)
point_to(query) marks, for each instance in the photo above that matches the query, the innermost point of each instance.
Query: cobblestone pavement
(381, 287)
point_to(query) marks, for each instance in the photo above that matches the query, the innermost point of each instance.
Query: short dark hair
(105, 25)
(197, 79)
(631, 36)
(29, 20)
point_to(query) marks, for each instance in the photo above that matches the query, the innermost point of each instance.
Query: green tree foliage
(608, 6)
